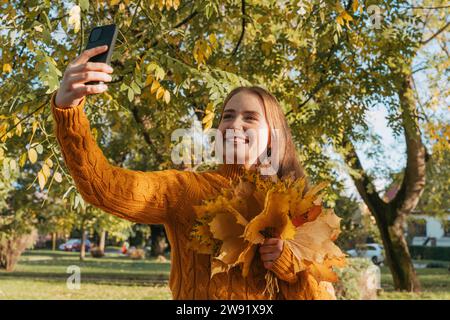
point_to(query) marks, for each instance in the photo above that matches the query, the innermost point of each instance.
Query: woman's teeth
(237, 140)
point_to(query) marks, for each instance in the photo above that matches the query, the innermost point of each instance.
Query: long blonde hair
(289, 163)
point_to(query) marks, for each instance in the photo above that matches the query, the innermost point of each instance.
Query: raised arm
(138, 196)
(145, 197)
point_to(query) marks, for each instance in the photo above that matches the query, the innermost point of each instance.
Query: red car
(74, 245)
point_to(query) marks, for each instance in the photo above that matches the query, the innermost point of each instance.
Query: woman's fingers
(269, 257)
(271, 244)
(91, 66)
(84, 77)
(270, 251)
(268, 248)
(72, 88)
(84, 90)
(269, 241)
(87, 54)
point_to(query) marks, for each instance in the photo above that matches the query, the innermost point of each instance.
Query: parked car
(74, 245)
(372, 251)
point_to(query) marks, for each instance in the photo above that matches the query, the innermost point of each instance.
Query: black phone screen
(100, 36)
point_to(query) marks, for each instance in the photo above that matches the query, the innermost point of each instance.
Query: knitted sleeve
(300, 284)
(144, 197)
(286, 266)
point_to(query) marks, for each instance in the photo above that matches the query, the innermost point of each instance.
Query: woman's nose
(237, 124)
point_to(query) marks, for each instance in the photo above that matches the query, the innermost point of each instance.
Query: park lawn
(41, 274)
(435, 284)
(29, 289)
(45, 264)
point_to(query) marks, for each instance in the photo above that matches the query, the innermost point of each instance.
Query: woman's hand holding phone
(73, 87)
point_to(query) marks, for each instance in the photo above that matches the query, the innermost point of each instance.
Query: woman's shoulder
(204, 177)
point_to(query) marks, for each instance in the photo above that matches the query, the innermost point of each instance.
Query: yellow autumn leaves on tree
(204, 48)
(208, 119)
(7, 68)
(161, 4)
(75, 18)
(154, 75)
(344, 17)
(231, 226)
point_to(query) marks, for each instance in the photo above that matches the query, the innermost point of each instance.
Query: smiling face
(244, 129)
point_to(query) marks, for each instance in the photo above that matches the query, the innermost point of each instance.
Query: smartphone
(100, 36)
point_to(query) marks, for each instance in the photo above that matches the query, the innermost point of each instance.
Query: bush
(11, 248)
(430, 253)
(358, 280)
(96, 252)
(436, 265)
(137, 254)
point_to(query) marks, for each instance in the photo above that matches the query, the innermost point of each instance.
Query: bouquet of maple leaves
(232, 225)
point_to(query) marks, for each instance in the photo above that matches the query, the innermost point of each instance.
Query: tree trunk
(83, 244)
(53, 241)
(397, 253)
(390, 221)
(159, 241)
(101, 244)
(391, 215)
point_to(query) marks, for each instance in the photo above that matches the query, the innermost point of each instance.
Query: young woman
(167, 197)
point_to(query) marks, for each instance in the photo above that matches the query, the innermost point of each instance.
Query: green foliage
(430, 253)
(348, 287)
(11, 247)
(357, 224)
(175, 61)
(435, 199)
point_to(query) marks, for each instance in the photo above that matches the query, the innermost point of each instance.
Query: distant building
(422, 229)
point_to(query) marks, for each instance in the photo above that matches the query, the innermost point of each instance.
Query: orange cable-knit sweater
(167, 197)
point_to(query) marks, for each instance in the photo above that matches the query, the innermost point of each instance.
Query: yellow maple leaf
(274, 217)
(313, 246)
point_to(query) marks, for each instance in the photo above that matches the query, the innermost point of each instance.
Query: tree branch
(138, 5)
(321, 83)
(185, 20)
(147, 137)
(363, 183)
(413, 182)
(244, 22)
(26, 117)
(436, 34)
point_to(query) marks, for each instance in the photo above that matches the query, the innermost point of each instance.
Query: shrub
(97, 252)
(137, 254)
(437, 265)
(12, 247)
(358, 280)
(430, 253)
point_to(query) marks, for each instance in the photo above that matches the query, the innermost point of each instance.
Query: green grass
(44, 264)
(42, 274)
(435, 284)
(41, 290)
